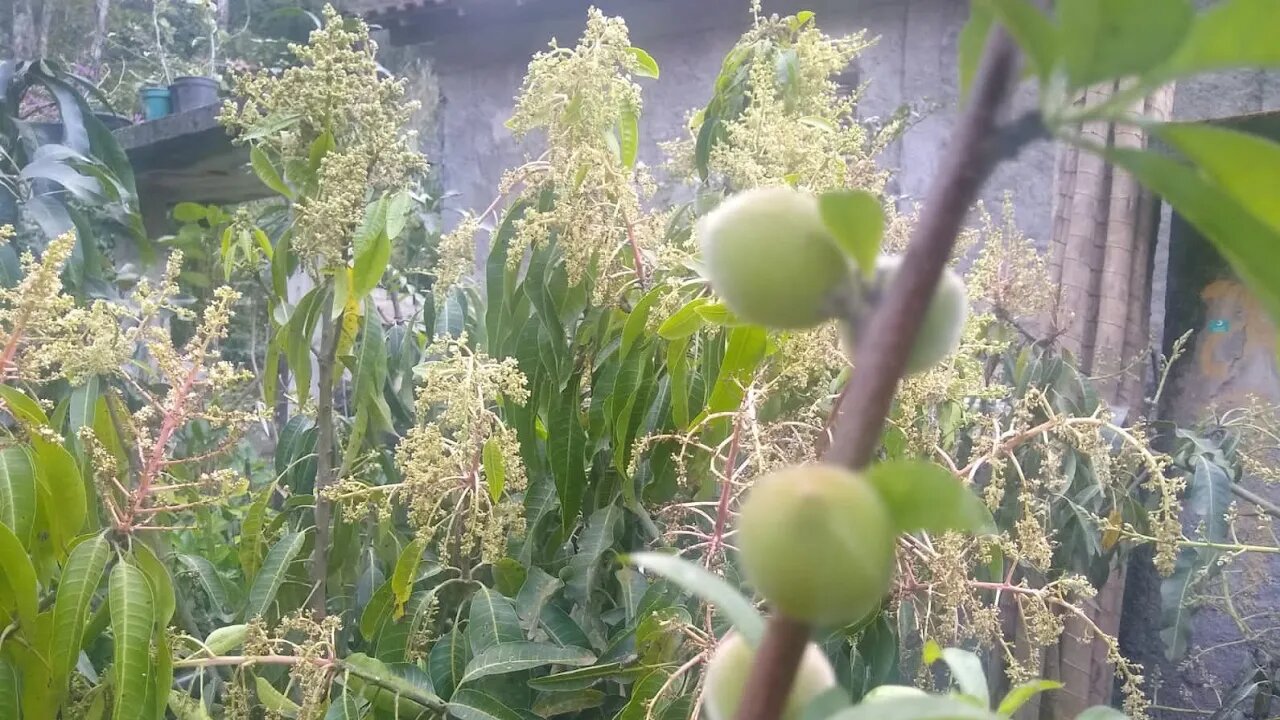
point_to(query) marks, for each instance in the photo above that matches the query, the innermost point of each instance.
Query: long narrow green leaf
(9, 690)
(711, 588)
(18, 585)
(516, 656)
(206, 575)
(81, 576)
(448, 661)
(468, 704)
(17, 492)
(57, 472)
(585, 567)
(250, 541)
(267, 583)
(132, 623)
(405, 574)
(1245, 165)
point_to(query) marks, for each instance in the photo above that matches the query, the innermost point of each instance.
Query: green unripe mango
(944, 320)
(770, 258)
(818, 543)
(730, 667)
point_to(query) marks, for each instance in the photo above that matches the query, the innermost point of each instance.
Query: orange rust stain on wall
(1229, 300)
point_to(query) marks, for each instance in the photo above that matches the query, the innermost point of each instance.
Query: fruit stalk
(974, 151)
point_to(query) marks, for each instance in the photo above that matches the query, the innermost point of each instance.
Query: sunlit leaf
(856, 220)
(707, 586)
(926, 496)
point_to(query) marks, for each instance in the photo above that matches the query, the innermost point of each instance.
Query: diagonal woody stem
(975, 149)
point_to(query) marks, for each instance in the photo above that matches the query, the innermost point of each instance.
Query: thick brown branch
(324, 460)
(976, 147)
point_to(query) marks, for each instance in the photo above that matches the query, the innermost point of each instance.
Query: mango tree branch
(324, 458)
(975, 149)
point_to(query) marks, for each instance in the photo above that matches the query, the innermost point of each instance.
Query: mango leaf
(250, 540)
(268, 580)
(267, 173)
(928, 707)
(468, 704)
(926, 496)
(164, 600)
(492, 620)
(646, 66)
(207, 577)
(17, 492)
(225, 639)
(448, 661)
(1106, 39)
(683, 322)
(9, 692)
(18, 584)
(537, 589)
(401, 688)
(580, 678)
(59, 475)
(185, 707)
(1032, 30)
(1244, 241)
(370, 265)
(495, 471)
(516, 656)
(81, 576)
(1232, 33)
(856, 220)
(133, 620)
(642, 696)
(966, 670)
(22, 407)
(566, 451)
(1023, 693)
(1245, 165)
(707, 586)
(273, 700)
(585, 566)
(399, 206)
(405, 574)
(563, 703)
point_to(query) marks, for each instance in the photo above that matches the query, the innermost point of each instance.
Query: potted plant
(189, 92)
(156, 101)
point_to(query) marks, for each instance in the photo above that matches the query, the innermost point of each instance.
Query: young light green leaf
(516, 656)
(646, 66)
(1232, 33)
(22, 407)
(399, 206)
(18, 584)
(9, 689)
(250, 540)
(856, 220)
(59, 474)
(267, 172)
(468, 704)
(185, 707)
(1032, 30)
(1245, 165)
(1020, 695)
(395, 688)
(972, 41)
(1244, 241)
(683, 322)
(133, 620)
(273, 700)
(17, 492)
(642, 695)
(268, 580)
(225, 639)
(164, 600)
(707, 586)
(1108, 39)
(495, 469)
(405, 574)
(628, 136)
(81, 576)
(493, 620)
(966, 672)
(926, 496)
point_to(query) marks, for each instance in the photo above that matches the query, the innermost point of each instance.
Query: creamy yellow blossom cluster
(336, 116)
(298, 635)
(46, 336)
(583, 101)
(461, 467)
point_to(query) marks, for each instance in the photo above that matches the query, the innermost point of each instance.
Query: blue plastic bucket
(156, 102)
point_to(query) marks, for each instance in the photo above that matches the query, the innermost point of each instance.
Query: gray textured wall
(913, 62)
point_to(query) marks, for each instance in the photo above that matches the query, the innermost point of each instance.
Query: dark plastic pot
(189, 93)
(157, 102)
